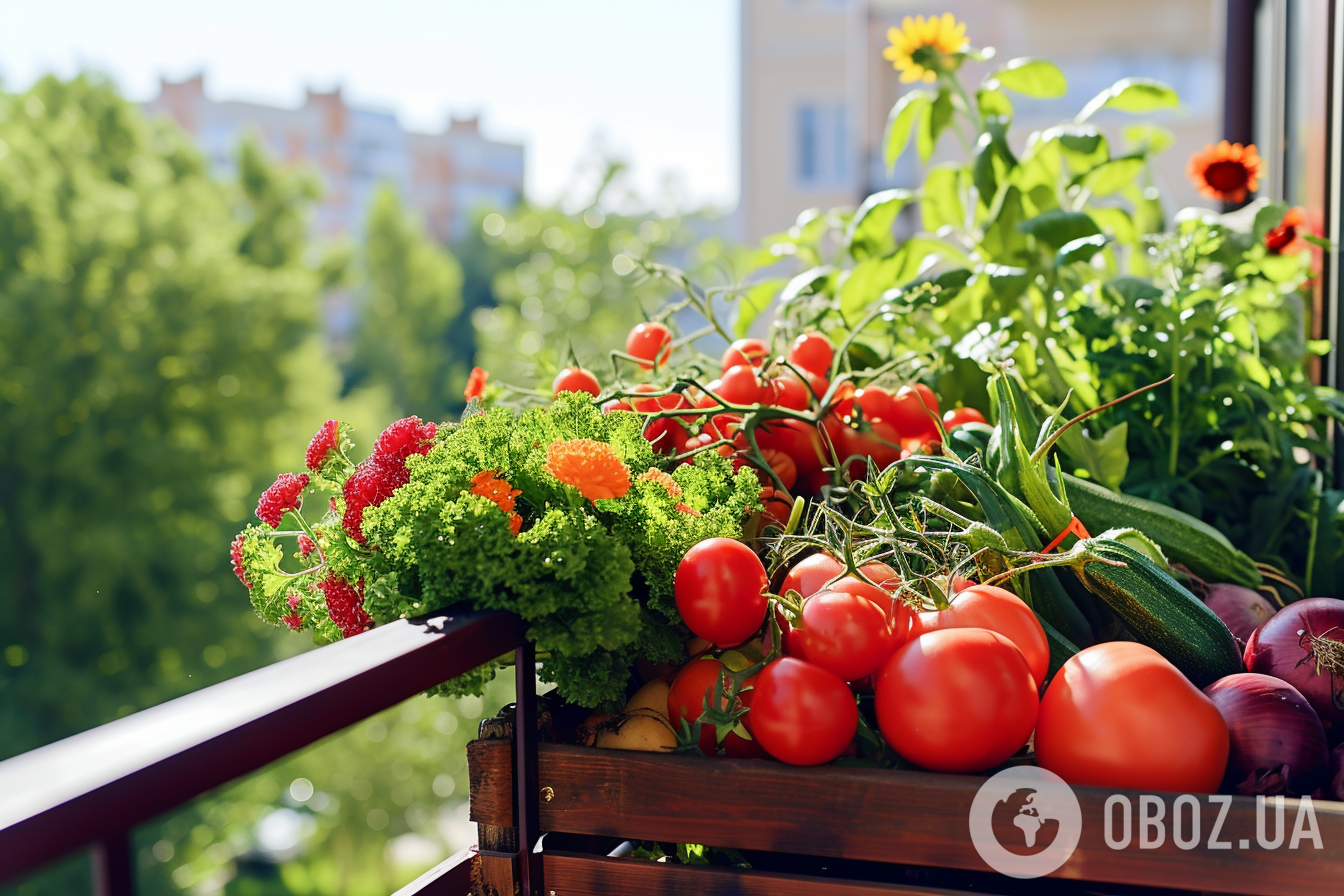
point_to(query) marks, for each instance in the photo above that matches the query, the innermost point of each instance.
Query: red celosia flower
(1226, 172)
(406, 437)
(1284, 238)
(236, 555)
(475, 384)
(322, 444)
(590, 466)
(293, 620)
(306, 546)
(293, 600)
(280, 498)
(372, 483)
(345, 604)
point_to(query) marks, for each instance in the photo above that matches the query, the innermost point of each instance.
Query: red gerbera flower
(280, 498)
(322, 444)
(475, 384)
(1226, 172)
(1284, 238)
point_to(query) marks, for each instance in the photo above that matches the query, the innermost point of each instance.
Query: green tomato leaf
(1132, 95)
(993, 101)
(868, 281)
(1149, 139)
(904, 114)
(1006, 282)
(1081, 249)
(940, 205)
(809, 282)
(932, 125)
(1057, 227)
(1032, 77)
(869, 231)
(1113, 176)
(1133, 290)
(755, 300)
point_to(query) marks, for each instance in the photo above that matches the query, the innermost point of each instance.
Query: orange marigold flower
(1226, 172)
(515, 524)
(1284, 238)
(653, 474)
(475, 383)
(686, 508)
(490, 486)
(590, 466)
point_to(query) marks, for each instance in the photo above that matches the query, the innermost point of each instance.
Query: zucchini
(1158, 610)
(1184, 539)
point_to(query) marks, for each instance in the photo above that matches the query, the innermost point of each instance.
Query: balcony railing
(91, 789)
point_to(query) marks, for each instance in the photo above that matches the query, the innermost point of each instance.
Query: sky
(655, 83)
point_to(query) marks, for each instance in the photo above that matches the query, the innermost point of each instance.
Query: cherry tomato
(845, 633)
(915, 411)
(795, 438)
(787, 391)
(648, 341)
(615, 404)
(817, 571)
(1118, 715)
(998, 610)
(959, 416)
(778, 506)
(720, 591)
(801, 713)
(576, 379)
(740, 385)
(723, 426)
(779, 462)
(667, 435)
(876, 403)
(647, 405)
(900, 618)
(686, 700)
(752, 352)
(813, 352)
(958, 700)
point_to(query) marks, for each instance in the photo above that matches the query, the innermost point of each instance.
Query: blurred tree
(159, 349)
(411, 300)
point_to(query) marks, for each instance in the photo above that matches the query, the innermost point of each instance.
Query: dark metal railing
(93, 788)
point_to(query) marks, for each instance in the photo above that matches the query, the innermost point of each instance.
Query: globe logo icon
(1025, 822)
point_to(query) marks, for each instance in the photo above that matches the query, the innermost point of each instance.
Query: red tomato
(954, 418)
(667, 435)
(813, 482)
(779, 462)
(787, 391)
(647, 405)
(752, 352)
(817, 571)
(915, 411)
(898, 614)
(845, 633)
(720, 591)
(648, 341)
(723, 426)
(795, 438)
(800, 713)
(740, 385)
(615, 404)
(686, 700)
(876, 403)
(576, 379)
(778, 506)
(998, 610)
(959, 700)
(813, 352)
(1118, 715)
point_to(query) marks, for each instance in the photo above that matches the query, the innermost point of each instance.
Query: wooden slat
(451, 877)
(490, 782)
(568, 874)
(106, 780)
(915, 818)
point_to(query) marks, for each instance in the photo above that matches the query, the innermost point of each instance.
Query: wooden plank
(490, 782)
(78, 790)
(915, 818)
(451, 877)
(568, 874)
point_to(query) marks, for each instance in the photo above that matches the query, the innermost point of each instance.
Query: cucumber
(1184, 539)
(1158, 610)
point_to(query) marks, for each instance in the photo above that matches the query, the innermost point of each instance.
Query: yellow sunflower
(921, 48)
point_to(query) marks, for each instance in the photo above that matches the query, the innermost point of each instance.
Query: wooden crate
(834, 830)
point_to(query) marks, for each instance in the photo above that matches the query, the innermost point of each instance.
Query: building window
(822, 146)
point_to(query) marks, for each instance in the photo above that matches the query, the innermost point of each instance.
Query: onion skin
(1241, 609)
(1295, 646)
(1271, 728)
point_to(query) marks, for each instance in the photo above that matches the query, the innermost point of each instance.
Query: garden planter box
(849, 831)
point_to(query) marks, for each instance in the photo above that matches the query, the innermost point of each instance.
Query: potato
(642, 730)
(652, 696)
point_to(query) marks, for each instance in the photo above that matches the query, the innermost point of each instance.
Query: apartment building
(446, 177)
(816, 90)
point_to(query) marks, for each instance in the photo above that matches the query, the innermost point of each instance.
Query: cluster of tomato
(951, 690)
(860, 423)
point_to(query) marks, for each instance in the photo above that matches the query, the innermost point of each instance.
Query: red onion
(1241, 609)
(1334, 788)
(1277, 741)
(1303, 644)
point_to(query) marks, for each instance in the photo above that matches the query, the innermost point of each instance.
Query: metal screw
(548, 794)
